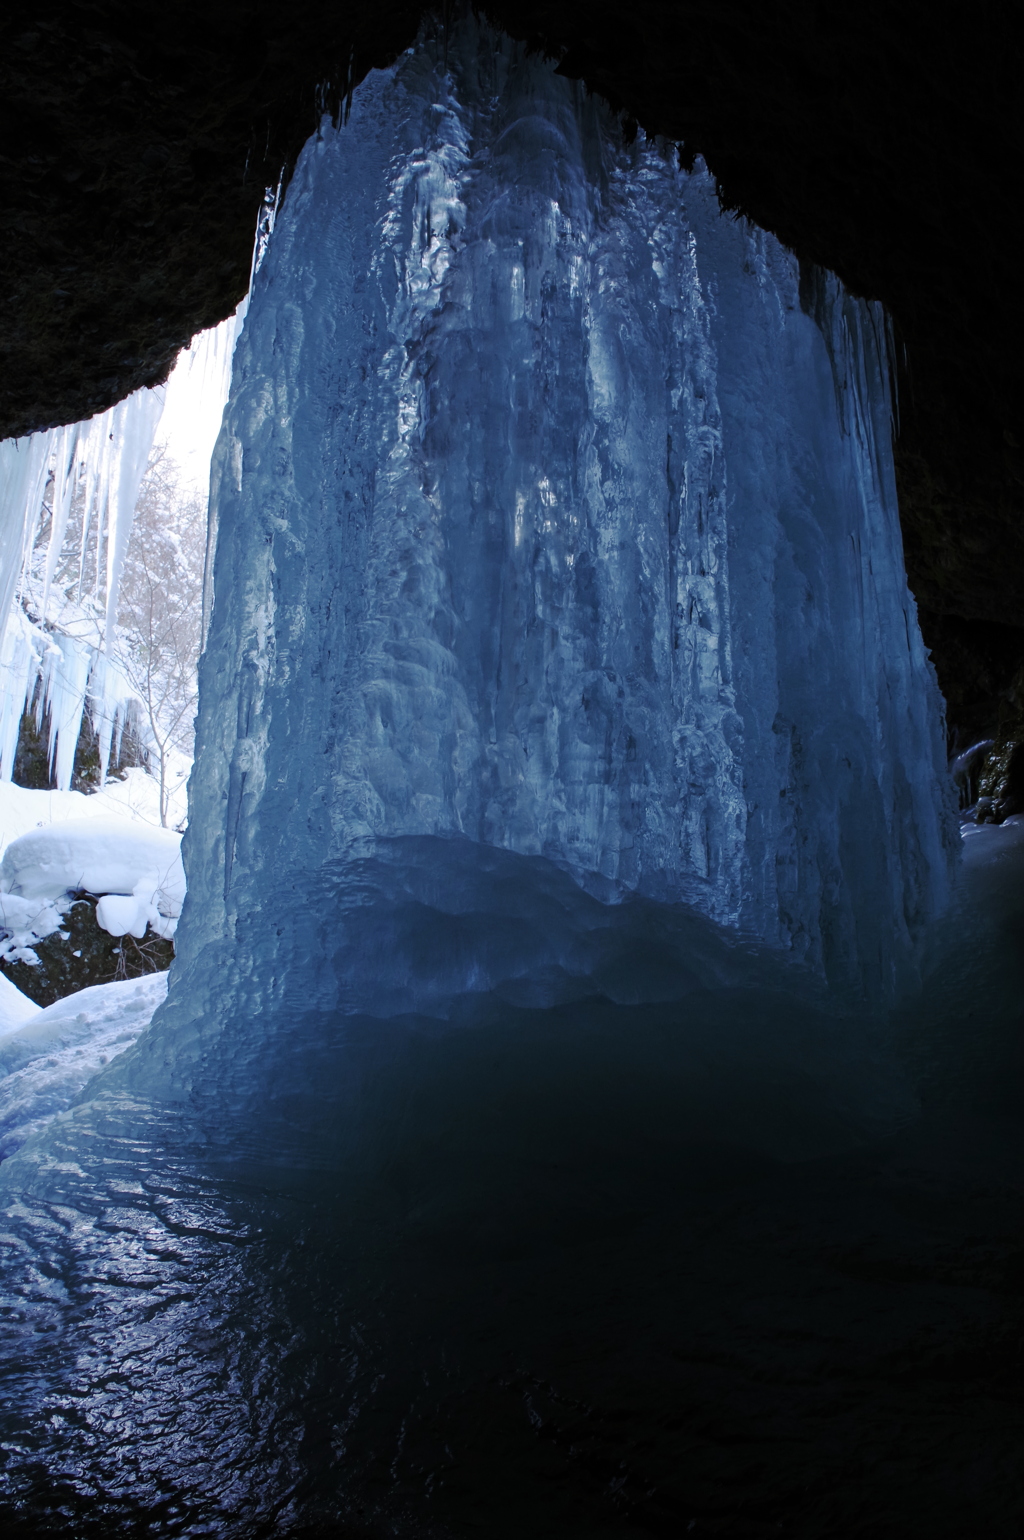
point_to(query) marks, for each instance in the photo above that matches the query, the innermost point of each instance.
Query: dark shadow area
(734, 1262)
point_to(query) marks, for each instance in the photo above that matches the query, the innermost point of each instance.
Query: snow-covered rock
(138, 864)
(99, 855)
(48, 1054)
(26, 921)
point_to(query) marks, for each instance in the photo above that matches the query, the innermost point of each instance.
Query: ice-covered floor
(579, 1284)
(48, 1060)
(48, 1056)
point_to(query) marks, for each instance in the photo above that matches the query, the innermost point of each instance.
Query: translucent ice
(96, 466)
(102, 462)
(554, 516)
(565, 733)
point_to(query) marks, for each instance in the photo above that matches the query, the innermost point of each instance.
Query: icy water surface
(595, 1268)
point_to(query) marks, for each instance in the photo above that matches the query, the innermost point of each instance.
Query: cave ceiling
(880, 140)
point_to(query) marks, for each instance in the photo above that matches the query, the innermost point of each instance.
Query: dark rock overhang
(881, 141)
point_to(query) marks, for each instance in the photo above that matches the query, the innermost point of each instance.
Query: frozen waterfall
(554, 517)
(570, 796)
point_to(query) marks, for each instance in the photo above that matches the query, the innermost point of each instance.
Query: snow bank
(47, 1057)
(135, 798)
(987, 843)
(109, 843)
(15, 1008)
(139, 867)
(101, 855)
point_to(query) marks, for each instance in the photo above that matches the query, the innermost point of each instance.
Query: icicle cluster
(105, 456)
(102, 461)
(195, 395)
(93, 470)
(61, 676)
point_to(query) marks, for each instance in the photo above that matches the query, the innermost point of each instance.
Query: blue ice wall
(562, 690)
(553, 519)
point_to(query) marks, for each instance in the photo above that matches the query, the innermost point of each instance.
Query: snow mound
(138, 866)
(47, 1058)
(16, 1009)
(135, 798)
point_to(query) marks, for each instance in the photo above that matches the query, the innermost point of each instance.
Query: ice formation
(106, 458)
(65, 676)
(48, 1055)
(67, 664)
(565, 731)
(102, 462)
(196, 391)
(556, 516)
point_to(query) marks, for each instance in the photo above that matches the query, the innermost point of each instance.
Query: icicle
(105, 458)
(24, 466)
(64, 481)
(196, 392)
(66, 678)
(90, 492)
(107, 455)
(265, 222)
(132, 431)
(22, 651)
(64, 675)
(111, 698)
(100, 462)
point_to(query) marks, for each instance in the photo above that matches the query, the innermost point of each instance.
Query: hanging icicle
(100, 465)
(85, 479)
(103, 461)
(197, 389)
(66, 679)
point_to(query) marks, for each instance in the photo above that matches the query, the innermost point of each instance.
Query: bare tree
(161, 613)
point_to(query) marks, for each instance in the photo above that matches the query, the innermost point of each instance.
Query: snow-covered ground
(48, 1056)
(111, 843)
(136, 797)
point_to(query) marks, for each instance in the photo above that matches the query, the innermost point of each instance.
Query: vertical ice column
(553, 518)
